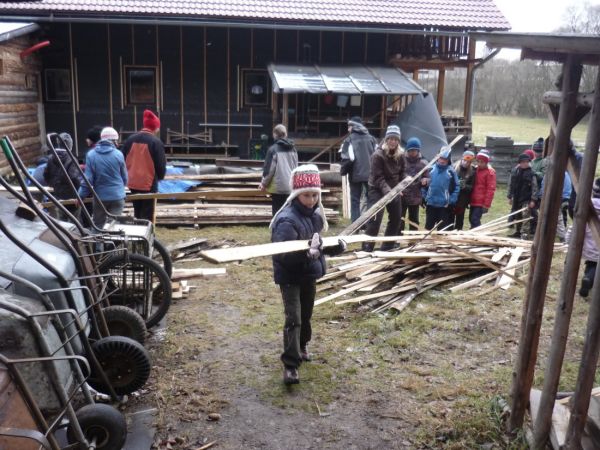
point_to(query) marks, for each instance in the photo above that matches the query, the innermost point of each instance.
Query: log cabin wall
(200, 76)
(20, 106)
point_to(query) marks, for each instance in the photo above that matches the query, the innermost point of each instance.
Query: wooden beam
(440, 90)
(543, 249)
(589, 358)
(555, 98)
(469, 82)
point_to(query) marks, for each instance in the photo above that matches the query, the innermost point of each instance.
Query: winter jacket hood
(280, 160)
(105, 170)
(443, 186)
(484, 187)
(296, 222)
(55, 176)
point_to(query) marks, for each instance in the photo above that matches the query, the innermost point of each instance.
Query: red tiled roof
(468, 14)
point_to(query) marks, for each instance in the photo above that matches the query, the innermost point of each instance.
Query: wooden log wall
(20, 99)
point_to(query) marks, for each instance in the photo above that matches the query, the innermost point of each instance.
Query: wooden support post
(469, 82)
(440, 90)
(564, 305)
(416, 75)
(589, 357)
(284, 116)
(543, 248)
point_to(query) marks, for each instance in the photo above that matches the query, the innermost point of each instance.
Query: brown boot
(290, 376)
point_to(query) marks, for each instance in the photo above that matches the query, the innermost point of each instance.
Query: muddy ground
(431, 377)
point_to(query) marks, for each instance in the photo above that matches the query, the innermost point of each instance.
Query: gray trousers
(114, 207)
(298, 302)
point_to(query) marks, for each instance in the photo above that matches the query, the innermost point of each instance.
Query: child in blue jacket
(301, 218)
(442, 192)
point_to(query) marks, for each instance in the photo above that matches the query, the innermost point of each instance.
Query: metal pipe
(228, 23)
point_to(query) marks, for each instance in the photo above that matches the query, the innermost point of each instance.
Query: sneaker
(290, 376)
(586, 285)
(304, 355)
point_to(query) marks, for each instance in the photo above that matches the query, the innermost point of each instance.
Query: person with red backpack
(146, 164)
(484, 188)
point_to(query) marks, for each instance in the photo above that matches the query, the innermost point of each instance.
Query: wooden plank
(179, 274)
(505, 279)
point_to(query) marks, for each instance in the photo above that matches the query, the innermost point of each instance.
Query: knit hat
(392, 130)
(468, 155)
(524, 157)
(414, 143)
(68, 140)
(596, 188)
(484, 155)
(356, 120)
(531, 154)
(304, 178)
(151, 122)
(109, 133)
(538, 146)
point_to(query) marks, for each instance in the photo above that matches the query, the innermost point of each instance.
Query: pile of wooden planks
(392, 279)
(231, 199)
(190, 214)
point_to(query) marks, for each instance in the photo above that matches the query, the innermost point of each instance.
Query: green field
(521, 129)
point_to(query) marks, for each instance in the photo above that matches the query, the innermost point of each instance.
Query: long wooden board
(223, 255)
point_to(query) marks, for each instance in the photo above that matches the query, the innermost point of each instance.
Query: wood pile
(231, 199)
(190, 214)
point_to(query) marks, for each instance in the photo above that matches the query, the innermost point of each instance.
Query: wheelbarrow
(50, 379)
(135, 281)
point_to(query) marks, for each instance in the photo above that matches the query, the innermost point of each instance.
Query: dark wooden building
(209, 67)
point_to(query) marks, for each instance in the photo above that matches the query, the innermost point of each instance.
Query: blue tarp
(174, 186)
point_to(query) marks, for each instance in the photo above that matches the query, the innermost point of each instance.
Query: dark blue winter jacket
(105, 169)
(443, 186)
(296, 222)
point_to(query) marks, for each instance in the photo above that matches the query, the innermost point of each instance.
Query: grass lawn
(521, 129)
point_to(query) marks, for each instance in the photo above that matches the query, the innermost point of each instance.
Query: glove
(485, 210)
(342, 246)
(316, 245)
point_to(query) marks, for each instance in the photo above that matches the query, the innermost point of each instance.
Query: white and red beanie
(484, 155)
(304, 178)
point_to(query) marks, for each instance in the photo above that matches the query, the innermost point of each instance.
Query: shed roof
(352, 80)
(465, 14)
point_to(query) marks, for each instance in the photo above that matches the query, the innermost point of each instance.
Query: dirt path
(220, 364)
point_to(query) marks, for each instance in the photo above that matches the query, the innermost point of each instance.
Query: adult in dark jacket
(412, 198)
(466, 177)
(62, 183)
(387, 170)
(105, 170)
(356, 153)
(280, 160)
(301, 217)
(442, 192)
(146, 164)
(523, 193)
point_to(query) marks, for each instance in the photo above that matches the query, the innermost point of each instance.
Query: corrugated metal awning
(11, 30)
(351, 80)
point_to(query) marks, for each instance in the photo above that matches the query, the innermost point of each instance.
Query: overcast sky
(536, 16)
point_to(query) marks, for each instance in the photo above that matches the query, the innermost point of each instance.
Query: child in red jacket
(483, 188)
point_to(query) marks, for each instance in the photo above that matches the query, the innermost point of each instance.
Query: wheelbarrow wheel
(165, 256)
(103, 423)
(125, 362)
(131, 279)
(124, 321)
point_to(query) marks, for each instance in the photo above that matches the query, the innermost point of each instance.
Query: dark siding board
(169, 55)
(263, 48)
(193, 74)
(121, 47)
(286, 46)
(331, 47)
(354, 48)
(240, 56)
(145, 44)
(376, 49)
(216, 74)
(309, 47)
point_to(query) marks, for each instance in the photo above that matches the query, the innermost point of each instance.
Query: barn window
(256, 87)
(140, 85)
(57, 84)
